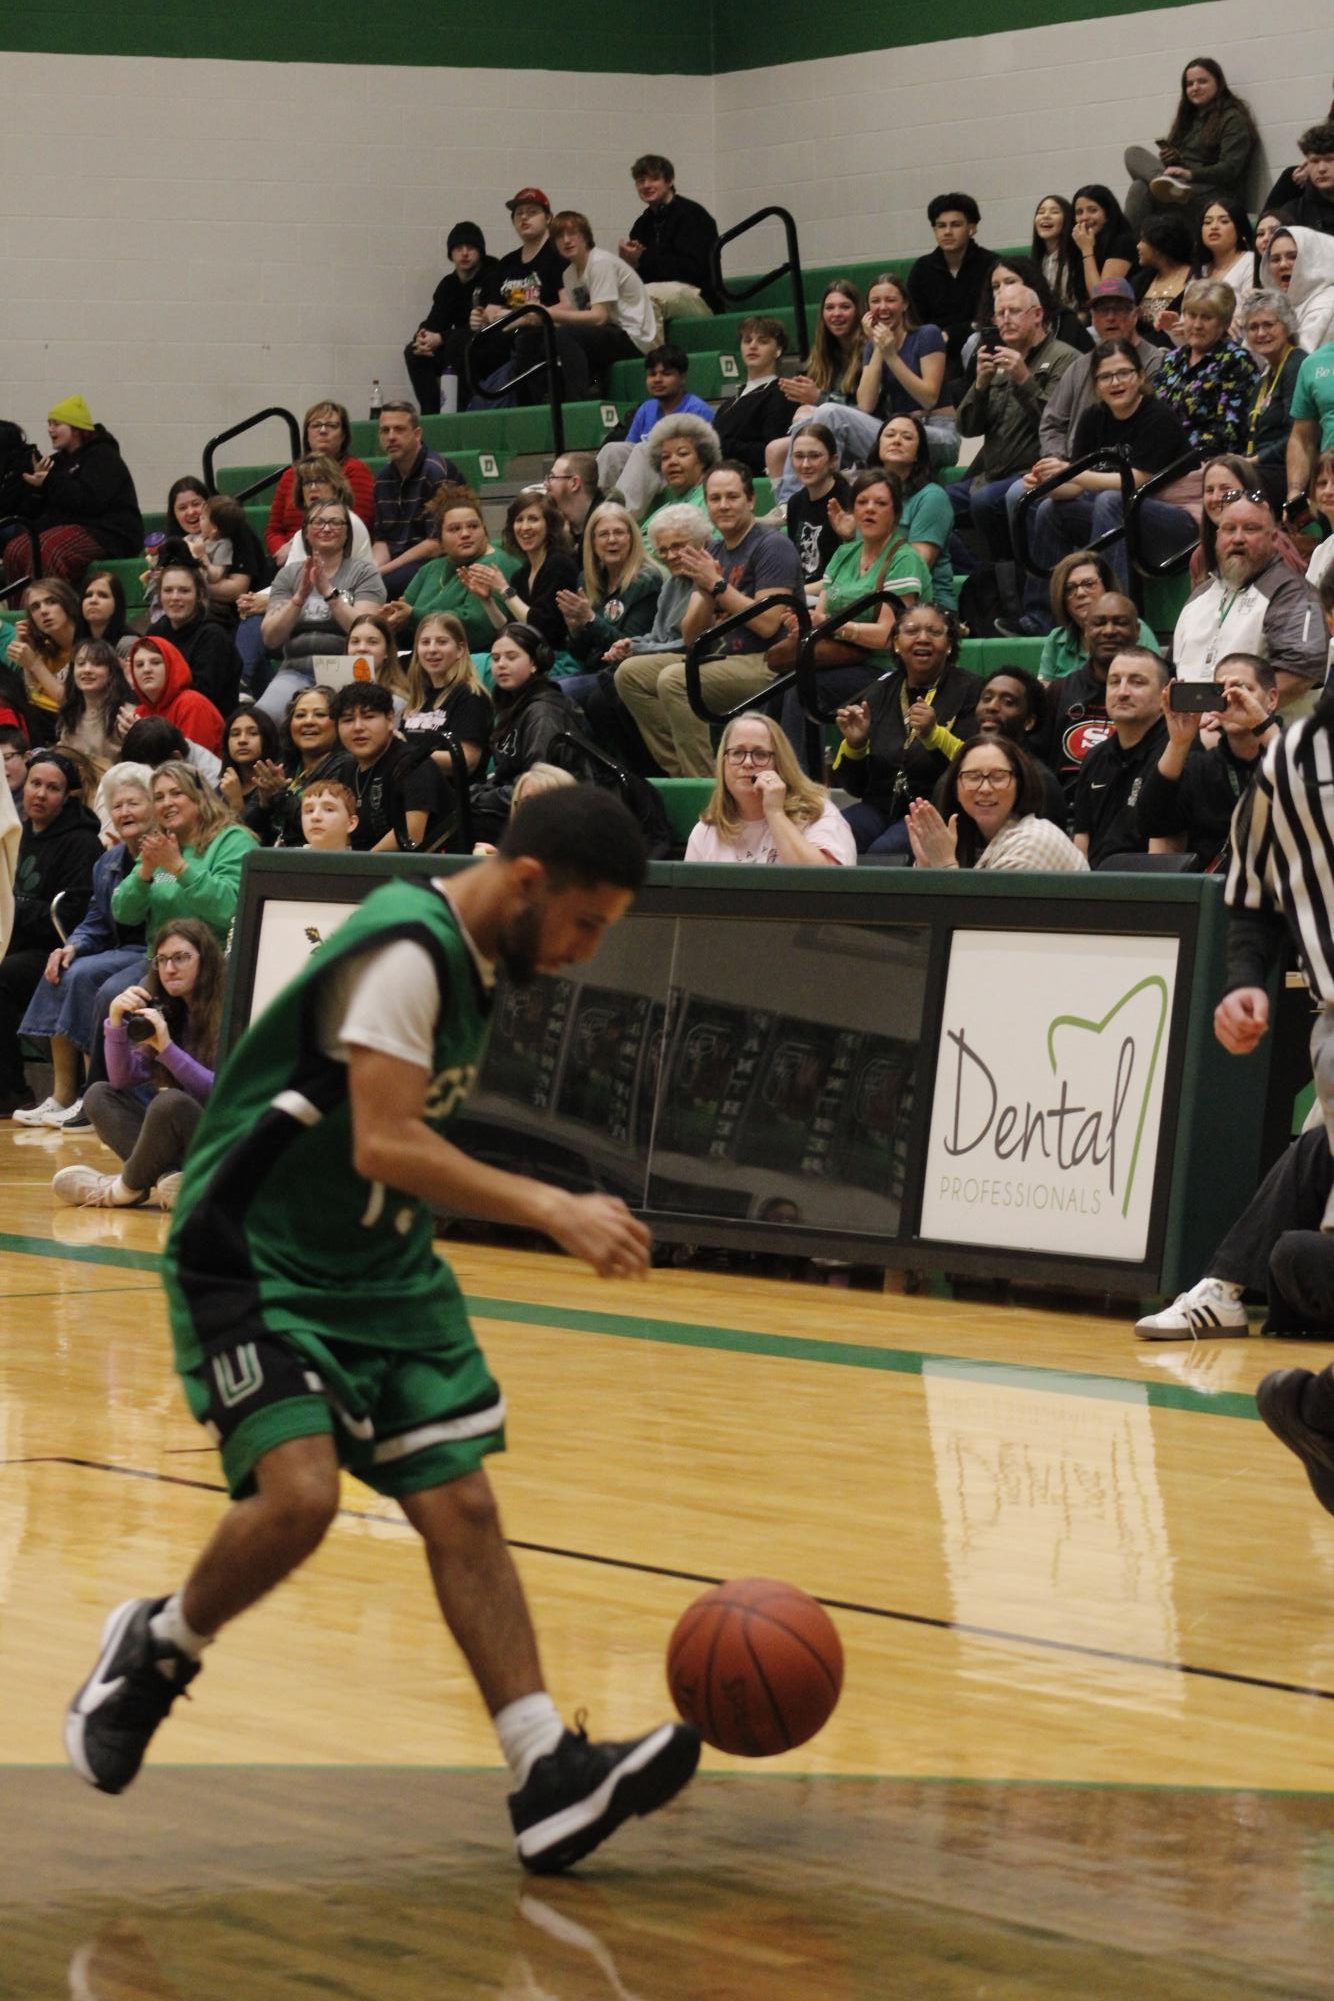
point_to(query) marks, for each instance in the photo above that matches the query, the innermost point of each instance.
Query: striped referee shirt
(1282, 868)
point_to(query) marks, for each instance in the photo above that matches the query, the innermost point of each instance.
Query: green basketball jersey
(274, 1228)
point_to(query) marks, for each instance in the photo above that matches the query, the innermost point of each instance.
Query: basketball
(756, 1666)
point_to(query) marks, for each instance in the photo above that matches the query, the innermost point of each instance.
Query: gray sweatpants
(150, 1139)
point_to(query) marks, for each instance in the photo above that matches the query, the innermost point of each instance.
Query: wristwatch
(716, 589)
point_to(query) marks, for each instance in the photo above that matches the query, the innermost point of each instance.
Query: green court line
(711, 1775)
(781, 1347)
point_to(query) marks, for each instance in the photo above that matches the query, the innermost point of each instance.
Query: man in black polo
(671, 244)
(1192, 792)
(1109, 785)
(403, 535)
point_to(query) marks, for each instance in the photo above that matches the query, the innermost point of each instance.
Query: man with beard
(314, 1326)
(1252, 603)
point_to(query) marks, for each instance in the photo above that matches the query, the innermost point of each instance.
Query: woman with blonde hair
(190, 864)
(445, 693)
(764, 808)
(617, 595)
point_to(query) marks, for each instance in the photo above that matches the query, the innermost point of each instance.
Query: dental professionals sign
(1049, 1090)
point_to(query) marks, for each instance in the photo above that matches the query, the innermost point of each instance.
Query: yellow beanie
(74, 412)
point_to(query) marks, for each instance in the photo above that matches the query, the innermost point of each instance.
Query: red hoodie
(180, 702)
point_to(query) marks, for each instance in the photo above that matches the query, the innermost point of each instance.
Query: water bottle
(377, 400)
(449, 391)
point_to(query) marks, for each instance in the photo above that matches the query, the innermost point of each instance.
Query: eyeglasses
(749, 756)
(992, 781)
(166, 959)
(324, 424)
(325, 521)
(1119, 375)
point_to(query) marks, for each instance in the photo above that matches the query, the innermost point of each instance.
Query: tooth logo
(1129, 1050)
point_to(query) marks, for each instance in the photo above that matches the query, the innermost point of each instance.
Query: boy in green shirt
(313, 1325)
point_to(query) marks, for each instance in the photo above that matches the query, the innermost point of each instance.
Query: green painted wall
(690, 37)
(449, 34)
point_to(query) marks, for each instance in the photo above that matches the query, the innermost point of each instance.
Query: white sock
(527, 1730)
(121, 1196)
(170, 1625)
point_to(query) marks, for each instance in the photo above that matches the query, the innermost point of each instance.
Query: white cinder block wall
(200, 238)
(862, 142)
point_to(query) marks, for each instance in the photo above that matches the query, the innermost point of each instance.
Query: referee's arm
(1256, 928)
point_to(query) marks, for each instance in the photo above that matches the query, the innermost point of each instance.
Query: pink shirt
(831, 834)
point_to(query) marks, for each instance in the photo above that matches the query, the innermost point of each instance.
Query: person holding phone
(1205, 768)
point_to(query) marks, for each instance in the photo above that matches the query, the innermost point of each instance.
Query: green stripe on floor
(747, 1341)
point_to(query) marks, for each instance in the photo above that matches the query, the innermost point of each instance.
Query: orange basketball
(756, 1666)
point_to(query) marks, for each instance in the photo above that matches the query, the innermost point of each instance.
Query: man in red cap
(532, 274)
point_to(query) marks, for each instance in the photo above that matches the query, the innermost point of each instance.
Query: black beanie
(465, 236)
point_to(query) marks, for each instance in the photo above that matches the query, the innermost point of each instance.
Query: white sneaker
(1209, 1309)
(85, 1188)
(74, 1119)
(49, 1113)
(168, 1187)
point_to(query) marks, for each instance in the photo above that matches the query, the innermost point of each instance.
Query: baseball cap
(1111, 288)
(529, 195)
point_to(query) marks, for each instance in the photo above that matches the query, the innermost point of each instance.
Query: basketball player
(314, 1326)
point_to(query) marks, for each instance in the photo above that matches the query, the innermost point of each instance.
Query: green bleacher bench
(1163, 601)
(683, 799)
(984, 656)
(499, 432)
(708, 376)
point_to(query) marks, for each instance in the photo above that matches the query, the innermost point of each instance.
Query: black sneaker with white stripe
(1281, 1400)
(111, 1720)
(581, 1792)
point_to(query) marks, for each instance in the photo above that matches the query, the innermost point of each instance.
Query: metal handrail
(457, 839)
(1170, 565)
(248, 424)
(550, 362)
(1109, 458)
(698, 653)
(21, 522)
(808, 674)
(734, 297)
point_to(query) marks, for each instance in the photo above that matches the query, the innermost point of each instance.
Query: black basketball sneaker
(581, 1792)
(137, 1678)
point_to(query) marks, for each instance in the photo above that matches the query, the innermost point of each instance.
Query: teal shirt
(928, 517)
(1061, 655)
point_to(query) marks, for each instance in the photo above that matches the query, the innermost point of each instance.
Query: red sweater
(285, 518)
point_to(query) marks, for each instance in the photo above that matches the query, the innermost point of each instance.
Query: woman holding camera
(161, 1037)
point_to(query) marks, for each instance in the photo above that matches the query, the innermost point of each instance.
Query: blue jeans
(1058, 526)
(874, 832)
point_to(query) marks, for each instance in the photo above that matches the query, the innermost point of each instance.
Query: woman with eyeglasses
(314, 604)
(327, 431)
(900, 733)
(1268, 325)
(1127, 418)
(987, 814)
(1077, 582)
(764, 808)
(161, 1037)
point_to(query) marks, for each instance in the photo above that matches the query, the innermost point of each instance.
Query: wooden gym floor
(1084, 1747)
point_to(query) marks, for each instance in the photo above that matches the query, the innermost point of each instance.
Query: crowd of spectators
(338, 682)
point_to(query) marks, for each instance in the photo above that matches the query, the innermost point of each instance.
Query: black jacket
(52, 859)
(678, 245)
(527, 726)
(214, 663)
(453, 300)
(950, 299)
(93, 489)
(746, 424)
(1200, 803)
(899, 768)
